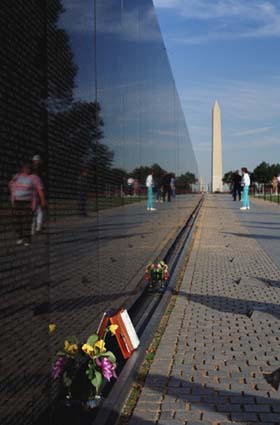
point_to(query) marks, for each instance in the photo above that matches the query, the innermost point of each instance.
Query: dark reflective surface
(88, 98)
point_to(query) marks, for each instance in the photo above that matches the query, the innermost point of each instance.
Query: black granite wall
(88, 87)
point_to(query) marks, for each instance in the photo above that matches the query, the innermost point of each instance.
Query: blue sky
(227, 50)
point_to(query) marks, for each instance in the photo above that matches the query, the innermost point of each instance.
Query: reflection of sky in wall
(143, 119)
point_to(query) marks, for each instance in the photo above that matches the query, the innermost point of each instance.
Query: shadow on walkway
(233, 305)
(207, 403)
(252, 235)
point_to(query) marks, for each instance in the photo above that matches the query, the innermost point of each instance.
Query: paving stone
(257, 408)
(270, 417)
(275, 408)
(220, 354)
(249, 417)
(229, 408)
(190, 415)
(198, 423)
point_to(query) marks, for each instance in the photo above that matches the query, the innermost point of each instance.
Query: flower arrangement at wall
(157, 275)
(83, 367)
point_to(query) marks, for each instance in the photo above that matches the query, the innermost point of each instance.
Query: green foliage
(97, 381)
(150, 356)
(92, 339)
(72, 339)
(94, 376)
(264, 172)
(109, 355)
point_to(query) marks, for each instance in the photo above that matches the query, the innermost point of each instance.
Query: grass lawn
(268, 197)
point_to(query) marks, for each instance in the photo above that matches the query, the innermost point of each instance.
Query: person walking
(25, 190)
(245, 182)
(149, 185)
(236, 185)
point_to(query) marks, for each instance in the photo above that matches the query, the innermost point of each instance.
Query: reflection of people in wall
(37, 221)
(83, 188)
(26, 190)
(136, 187)
(149, 185)
(173, 186)
(130, 182)
(166, 187)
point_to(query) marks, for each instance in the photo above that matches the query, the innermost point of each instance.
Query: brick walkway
(209, 366)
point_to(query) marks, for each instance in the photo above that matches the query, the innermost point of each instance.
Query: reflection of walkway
(209, 366)
(109, 257)
(72, 272)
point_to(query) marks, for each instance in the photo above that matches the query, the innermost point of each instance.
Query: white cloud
(253, 131)
(240, 101)
(253, 144)
(226, 19)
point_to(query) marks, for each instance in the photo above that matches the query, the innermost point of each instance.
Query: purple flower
(58, 367)
(107, 368)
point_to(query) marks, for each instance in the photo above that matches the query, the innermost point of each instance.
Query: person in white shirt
(150, 184)
(278, 180)
(245, 182)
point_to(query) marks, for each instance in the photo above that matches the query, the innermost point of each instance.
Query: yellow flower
(88, 349)
(52, 328)
(101, 345)
(70, 348)
(113, 328)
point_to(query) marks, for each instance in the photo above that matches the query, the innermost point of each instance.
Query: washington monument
(217, 173)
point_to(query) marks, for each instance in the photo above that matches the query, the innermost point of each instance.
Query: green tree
(275, 169)
(263, 173)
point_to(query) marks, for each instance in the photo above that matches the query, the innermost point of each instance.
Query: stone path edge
(185, 277)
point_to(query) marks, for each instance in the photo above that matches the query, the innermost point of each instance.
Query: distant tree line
(263, 173)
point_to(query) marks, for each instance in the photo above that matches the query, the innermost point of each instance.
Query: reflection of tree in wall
(141, 173)
(184, 181)
(22, 85)
(75, 128)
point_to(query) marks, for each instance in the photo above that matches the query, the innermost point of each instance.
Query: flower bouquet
(157, 275)
(82, 368)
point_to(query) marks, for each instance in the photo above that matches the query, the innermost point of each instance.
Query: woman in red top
(26, 190)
